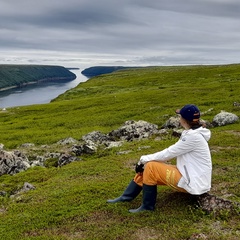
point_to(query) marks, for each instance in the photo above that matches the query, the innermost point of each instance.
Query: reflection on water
(38, 93)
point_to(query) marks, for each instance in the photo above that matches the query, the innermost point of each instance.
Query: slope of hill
(18, 75)
(69, 202)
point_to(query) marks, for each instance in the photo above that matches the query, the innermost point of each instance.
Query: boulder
(95, 137)
(38, 162)
(132, 130)
(172, 122)
(66, 159)
(88, 147)
(13, 162)
(211, 203)
(224, 118)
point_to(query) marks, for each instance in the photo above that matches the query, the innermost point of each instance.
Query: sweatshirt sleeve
(182, 146)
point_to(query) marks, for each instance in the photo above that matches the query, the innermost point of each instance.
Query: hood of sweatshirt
(206, 133)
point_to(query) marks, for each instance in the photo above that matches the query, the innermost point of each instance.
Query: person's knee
(149, 177)
(151, 165)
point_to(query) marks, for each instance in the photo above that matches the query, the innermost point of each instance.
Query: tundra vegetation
(70, 202)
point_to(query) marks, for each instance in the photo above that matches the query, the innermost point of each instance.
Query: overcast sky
(83, 33)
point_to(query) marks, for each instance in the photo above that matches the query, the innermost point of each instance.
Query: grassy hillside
(70, 202)
(18, 75)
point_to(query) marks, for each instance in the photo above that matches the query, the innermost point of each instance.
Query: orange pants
(159, 173)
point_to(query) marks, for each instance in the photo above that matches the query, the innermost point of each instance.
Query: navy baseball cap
(189, 112)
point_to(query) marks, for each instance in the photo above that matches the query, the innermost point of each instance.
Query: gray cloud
(134, 32)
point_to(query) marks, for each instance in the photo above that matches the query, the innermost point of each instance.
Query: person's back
(195, 165)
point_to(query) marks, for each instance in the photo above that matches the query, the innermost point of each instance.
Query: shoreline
(35, 82)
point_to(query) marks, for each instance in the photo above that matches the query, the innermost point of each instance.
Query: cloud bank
(83, 33)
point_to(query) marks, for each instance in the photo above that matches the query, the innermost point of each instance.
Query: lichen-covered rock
(13, 162)
(224, 118)
(172, 122)
(134, 130)
(95, 137)
(211, 203)
(66, 159)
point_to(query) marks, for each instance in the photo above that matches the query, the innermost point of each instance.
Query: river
(38, 93)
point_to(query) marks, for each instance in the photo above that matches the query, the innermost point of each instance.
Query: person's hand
(139, 168)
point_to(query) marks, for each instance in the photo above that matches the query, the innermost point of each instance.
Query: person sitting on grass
(191, 174)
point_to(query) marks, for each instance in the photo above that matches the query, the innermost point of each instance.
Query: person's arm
(184, 145)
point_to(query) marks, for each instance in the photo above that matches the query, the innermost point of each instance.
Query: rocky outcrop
(15, 161)
(211, 203)
(131, 130)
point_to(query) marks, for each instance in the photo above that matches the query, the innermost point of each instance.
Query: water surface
(38, 93)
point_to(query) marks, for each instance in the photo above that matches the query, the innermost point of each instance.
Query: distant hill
(98, 70)
(18, 75)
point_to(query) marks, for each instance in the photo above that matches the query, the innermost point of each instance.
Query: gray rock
(13, 162)
(27, 145)
(224, 118)
(53, 155)
(172, 122)
(211, 203)
(38, 162)
(134, 130)
(66, 159)
(3, 193)
(236, 104)
(27, 186)
(112, 144)
(67, 141)
(95, 137)
(88, 147)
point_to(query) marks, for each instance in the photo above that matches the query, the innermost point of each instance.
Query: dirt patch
(146, 234)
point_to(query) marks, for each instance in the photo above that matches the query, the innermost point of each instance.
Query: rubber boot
(149, 199)
(129, 194)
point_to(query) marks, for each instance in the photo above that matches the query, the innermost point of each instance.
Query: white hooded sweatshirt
(193, 160)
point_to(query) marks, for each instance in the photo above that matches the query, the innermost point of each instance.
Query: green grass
(70, 202)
